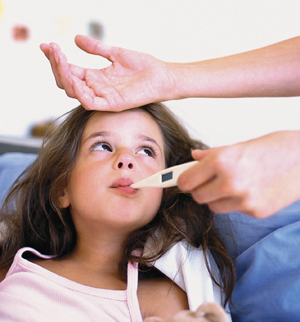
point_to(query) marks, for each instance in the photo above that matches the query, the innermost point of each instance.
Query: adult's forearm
(271, 71)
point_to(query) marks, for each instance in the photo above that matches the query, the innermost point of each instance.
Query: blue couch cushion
(11, 166)
(267, 261)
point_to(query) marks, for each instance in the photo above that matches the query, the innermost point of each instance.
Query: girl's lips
(122, 185)
(126, 190)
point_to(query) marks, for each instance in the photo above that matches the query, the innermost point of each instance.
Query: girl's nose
(125, 161)
(126, 165)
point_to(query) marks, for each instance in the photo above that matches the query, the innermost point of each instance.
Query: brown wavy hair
(32, 216)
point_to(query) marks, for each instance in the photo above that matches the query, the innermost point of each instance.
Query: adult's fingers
(198, 174)
(60, 68)
(212, 312)
(45, 48)
(200, 154)
(97, 47)
(48, 51)
(87, 97)
(210, 191)
(228, 204)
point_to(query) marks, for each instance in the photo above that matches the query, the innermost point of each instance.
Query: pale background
(171, 30)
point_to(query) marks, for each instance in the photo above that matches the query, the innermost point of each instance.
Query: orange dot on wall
(20, 33)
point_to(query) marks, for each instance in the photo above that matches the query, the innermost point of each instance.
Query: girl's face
(117, 149)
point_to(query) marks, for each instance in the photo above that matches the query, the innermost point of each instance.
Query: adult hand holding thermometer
(165, 178)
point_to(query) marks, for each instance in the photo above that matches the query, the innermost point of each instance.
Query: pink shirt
(32, 293)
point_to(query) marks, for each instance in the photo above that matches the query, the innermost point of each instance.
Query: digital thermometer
(165, 178)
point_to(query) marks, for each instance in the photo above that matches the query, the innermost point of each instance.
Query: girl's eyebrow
(149, 139)
(96, 134)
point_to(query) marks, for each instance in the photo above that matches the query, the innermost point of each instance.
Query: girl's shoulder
(161, 297)
(23, 254)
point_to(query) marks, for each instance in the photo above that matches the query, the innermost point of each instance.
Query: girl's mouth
(122, 185)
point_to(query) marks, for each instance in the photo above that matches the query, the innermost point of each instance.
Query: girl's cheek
(153, 164)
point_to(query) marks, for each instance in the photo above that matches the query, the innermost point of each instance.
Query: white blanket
(186, 267)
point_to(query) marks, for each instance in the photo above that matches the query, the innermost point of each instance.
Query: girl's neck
(101, 251)
(99, 246)
(93, 263)
(97, 255)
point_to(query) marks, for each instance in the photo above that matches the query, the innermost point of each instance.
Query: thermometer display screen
(167, 176)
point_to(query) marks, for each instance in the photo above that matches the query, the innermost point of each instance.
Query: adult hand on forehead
(208, 312)
(258, 177)
(133, 79)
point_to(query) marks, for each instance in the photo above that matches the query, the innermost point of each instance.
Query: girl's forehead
(126, 122)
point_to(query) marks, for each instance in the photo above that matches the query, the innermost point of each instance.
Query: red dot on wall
(20, 33)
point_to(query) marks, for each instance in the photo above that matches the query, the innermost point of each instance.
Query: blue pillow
(267, 261)
(11, 166)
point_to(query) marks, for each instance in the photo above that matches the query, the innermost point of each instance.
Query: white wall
(172, 30)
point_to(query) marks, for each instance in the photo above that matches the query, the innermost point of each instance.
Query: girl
(75, 230)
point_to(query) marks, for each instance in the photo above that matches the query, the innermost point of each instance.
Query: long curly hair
(32, 216)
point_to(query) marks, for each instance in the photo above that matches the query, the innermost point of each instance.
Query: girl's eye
(147, 151)
(101, 146)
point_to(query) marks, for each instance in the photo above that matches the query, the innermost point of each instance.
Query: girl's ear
(64, 201)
